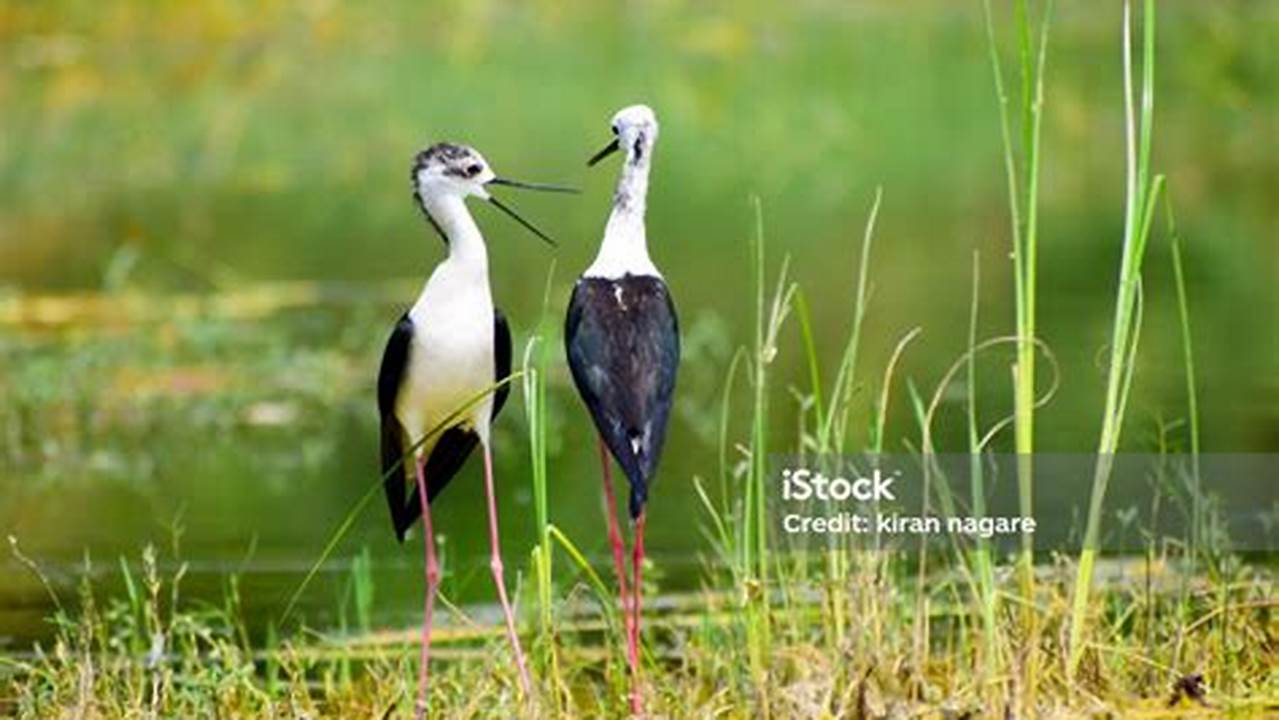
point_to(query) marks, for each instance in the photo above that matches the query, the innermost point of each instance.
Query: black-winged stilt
(622, 339)
(448, 349)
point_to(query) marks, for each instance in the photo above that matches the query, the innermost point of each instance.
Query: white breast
(451, 357)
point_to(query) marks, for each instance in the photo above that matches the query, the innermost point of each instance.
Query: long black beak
(532, 186)
(516, 216)
(608, 150)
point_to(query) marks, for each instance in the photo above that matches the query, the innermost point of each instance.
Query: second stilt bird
(622, 339)
(443, 355)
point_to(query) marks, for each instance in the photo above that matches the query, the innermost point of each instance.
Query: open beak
(608, 150)
(516, 216)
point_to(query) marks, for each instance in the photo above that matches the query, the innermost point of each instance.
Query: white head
(624, 250)
(448, 170)
(635, 132)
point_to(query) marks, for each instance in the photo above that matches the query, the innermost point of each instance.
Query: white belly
(450, 359)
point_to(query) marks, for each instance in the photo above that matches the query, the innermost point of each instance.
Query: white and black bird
(622, 340)
(450, 348)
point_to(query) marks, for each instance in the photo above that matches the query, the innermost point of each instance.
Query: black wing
(390, 377)
(501, 358)
(450, 451)
(622, 338)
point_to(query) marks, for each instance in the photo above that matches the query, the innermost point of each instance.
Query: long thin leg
(432, 584)
(637, 564)
(495, 562)
(619, 562)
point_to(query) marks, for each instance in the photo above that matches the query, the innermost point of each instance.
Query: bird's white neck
(624, 250)
(466, 244)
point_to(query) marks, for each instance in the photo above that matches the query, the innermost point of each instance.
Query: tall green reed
(1192, 399)
(986, 591)
(1192, 408)
(534, 388)
(1023, 204)
(1142, 193)
(770, 316)
(832, 417)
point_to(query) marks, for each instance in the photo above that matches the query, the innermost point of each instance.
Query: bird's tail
(637, 474)
(639, 496)
(639, 467)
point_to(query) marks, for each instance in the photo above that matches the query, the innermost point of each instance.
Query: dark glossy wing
(622, 339)
(501, 359)
(456, 444)
(395, 465)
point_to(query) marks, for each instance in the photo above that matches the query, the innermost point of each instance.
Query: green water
(219, 149)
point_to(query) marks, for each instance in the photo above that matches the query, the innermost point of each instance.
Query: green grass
(806, 644)
(99, 665)
(851, 628)
(809, 644)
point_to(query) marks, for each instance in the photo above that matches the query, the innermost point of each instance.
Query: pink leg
(637, 564)
(432, 584)
(619, 563)
(495, 562)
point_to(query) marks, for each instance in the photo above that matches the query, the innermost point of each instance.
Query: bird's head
(634, 132)
(451, 170)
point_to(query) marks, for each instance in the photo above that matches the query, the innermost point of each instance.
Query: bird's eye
(615, 130)
(473, 170)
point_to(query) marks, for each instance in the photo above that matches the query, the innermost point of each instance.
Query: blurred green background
(206, 232)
